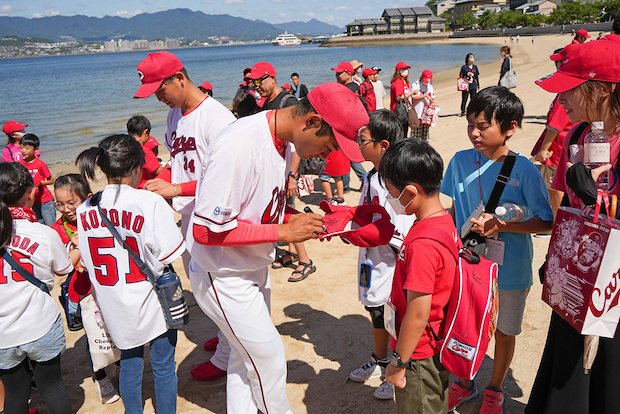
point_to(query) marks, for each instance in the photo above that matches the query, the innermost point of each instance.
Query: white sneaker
(369, 370)
(385, 391)
(106, 391)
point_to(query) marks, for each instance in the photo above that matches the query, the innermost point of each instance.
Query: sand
(326, 331)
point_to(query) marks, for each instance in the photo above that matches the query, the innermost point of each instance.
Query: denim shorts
(327, 177)
(41, 350)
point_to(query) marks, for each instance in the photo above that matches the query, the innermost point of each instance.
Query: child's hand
(74, 239)
(395, 376)
(487, 225)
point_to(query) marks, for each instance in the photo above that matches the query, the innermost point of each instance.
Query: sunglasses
(259, 82)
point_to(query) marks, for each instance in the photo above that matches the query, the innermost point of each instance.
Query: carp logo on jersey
(181, 144)
(272, 213)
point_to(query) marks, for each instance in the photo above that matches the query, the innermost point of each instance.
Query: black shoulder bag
(22, 272)
(167, 286)
(473, 241)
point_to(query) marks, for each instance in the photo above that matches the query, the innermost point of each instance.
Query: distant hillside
(12, 40)
(176, 23)
(312, 27)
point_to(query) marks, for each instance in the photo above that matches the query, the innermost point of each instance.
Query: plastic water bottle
(512, 212)
(597, 153)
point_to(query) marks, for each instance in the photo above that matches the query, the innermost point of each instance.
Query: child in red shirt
(139, 127)
(44, 200)
(412, 171)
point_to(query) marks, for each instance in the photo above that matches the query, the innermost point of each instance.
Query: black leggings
(469, 93)
(48, 377)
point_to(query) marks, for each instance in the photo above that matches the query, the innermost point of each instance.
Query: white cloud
(49, 12)
(342, 8)
(329, 18)
(6, 9)
(282, 14)
(125, 13)
(310, 14)
(233, 2)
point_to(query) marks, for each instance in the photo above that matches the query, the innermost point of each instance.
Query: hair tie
(101, 152)
(2, 194)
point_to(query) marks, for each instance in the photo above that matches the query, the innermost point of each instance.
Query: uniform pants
(239, 303)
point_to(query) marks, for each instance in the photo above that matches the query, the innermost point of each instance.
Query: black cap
(376, 68)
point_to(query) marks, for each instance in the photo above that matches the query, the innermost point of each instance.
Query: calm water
(72, 102)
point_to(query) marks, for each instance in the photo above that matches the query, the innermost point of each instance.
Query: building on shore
(544, 7)
(494, 8)
(404, 20)
(442, 6)
(464, 7)
(140, 44)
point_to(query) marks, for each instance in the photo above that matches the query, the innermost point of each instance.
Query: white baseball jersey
(26, 312)
(187, 139)
(383, 258)
(244, 178)
(128, 302)
(379, 93)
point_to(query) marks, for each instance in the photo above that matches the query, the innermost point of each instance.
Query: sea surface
(72, 102)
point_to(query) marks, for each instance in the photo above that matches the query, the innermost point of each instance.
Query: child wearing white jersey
(383, 130)
(31, 328)
(127, 299)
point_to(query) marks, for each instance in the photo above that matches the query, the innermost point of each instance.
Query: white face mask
(404, 73)
(471, 61)
(396, 205)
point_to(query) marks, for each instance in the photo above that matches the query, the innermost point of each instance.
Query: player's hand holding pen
(301, 227)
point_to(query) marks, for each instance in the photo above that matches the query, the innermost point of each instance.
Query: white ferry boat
(286, 39)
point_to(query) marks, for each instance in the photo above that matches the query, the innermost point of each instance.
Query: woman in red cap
(587, 83)
(400, 90)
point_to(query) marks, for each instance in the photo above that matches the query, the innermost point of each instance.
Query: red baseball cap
(599, 61)
(207, 86)
(564, 52)
(286, 86)
(583, 32)
(369, 71)
(402, 65)
(12, 126)
(261, 69)
(156, 67)
(363, 226)
(342, 109)
(427, 76)
(344, 67)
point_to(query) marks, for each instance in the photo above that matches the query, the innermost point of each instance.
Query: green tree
(535, 19)
(509, 18)
(609, 8)
(468, 21)
(430, 3)
(488, 19)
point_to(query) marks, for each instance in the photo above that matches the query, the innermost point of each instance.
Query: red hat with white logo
(598, 61)
(342, 109)
(261, 69)
(427, 76)
(207, 86)
(344, 67)
(156, 67)
(402, 65)
(582, 32)
(363, 226)
(286, 86)
(369, 71)
(12, 126)
(564, 52)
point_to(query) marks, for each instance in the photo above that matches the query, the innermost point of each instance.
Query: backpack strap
(574, 138)
(501, 181)
(22, 272)
(284, 99)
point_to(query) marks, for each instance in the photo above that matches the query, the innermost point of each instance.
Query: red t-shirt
(558, 120)
(39, 171)
(399, 87)
(336, 164)
(425, 266)
(151, 164)
(79, 281)
(367, 92)
(152, 145)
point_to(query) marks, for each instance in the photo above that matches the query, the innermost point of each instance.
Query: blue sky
(272, 11)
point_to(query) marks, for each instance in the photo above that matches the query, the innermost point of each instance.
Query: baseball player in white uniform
(193, 121)
(240, 214)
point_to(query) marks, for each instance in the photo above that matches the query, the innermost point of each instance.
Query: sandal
(303, 272)
(279, 263)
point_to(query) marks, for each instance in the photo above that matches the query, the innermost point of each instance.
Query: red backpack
(471, 317)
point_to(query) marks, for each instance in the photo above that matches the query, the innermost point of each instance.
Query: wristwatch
(294, 174)
(395, 360)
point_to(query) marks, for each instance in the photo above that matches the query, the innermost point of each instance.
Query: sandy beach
(326, 331)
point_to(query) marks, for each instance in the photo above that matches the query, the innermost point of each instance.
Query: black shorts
(376, 313)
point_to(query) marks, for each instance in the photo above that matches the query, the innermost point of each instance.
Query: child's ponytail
(118, 156)
(15, 180)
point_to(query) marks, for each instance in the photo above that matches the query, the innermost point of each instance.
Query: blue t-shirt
(525, 187)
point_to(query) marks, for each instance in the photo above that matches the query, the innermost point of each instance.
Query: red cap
(369, 71)
(342, 109)
(12, 126)
(402, 65)
(156, 67)
(286, 86)
(564, 52)
(261, 69)
(373, 226)
(207, 86)
(344, 67)
(599, 61)
(583, 32)
(427, 76)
